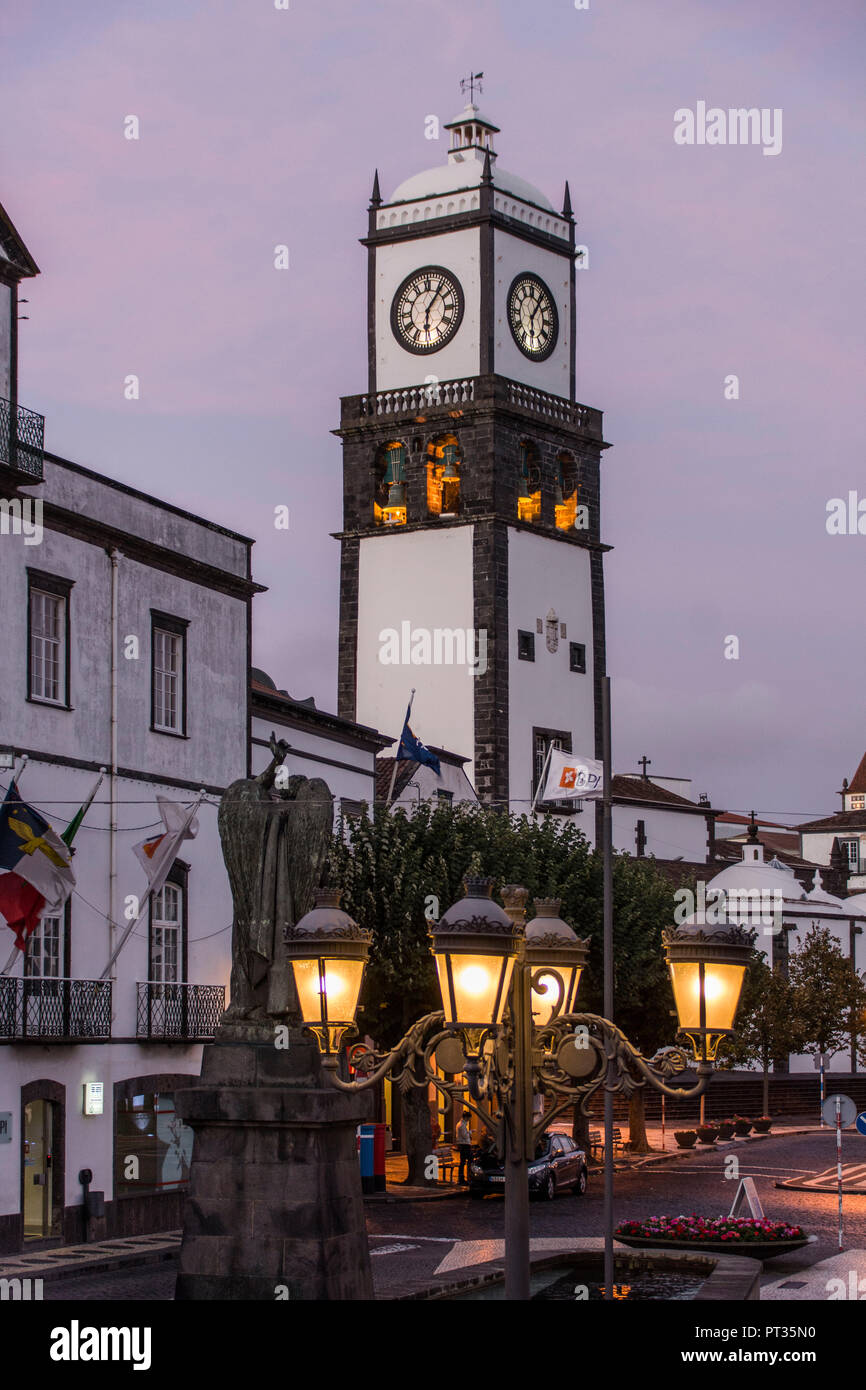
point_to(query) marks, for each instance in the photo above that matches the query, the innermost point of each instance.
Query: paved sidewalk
(664, 1148)
(840, 1277)
(63, 1261)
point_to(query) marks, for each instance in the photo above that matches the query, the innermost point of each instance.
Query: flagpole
(542, 778)
(82, 812)
(137, 918)
(394, 768)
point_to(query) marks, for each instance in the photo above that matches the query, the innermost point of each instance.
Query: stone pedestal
(274, 1208)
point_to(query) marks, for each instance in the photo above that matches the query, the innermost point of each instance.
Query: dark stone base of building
(274, 1209)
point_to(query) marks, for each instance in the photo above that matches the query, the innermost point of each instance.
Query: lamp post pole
(610, 1079)
(519, 1142)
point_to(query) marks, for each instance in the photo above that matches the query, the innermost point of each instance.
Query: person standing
(464, 1146)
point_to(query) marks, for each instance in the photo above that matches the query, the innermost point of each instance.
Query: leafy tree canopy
(392, 867)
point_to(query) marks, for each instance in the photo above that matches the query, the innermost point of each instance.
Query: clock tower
(471, 546)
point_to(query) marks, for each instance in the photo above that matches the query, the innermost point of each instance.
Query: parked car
(559, 1166)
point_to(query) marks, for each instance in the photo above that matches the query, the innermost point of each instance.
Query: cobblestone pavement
(408, 1241)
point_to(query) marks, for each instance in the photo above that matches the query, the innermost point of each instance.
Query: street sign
(849, 1110)
(861, 1122)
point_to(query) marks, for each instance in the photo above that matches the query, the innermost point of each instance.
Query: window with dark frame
(541, 742)
(852, 849)
(167, 936)
(526, 646)
(168, 673)
(48, 638)
(577, 657)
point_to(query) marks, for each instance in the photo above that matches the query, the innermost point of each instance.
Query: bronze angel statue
(275, 832)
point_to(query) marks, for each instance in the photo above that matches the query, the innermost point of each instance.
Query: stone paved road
(408, 1240)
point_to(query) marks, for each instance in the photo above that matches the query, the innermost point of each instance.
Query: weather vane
(472, 81)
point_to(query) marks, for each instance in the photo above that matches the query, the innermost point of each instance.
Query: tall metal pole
(518, 1143)
(610, 1079)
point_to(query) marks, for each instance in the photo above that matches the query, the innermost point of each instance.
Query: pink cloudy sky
(261, 126)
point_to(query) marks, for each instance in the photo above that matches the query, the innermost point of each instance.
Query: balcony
(55, 1010)
(178, 1012)
(22, 442)
(447, 399)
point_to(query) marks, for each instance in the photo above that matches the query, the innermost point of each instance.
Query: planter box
(757, 1250)
(726, 1131)
(761, 1126)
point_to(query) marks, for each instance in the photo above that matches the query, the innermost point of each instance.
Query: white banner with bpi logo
(570, 776)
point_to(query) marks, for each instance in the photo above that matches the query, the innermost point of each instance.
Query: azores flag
(412, 748)
(39, 878)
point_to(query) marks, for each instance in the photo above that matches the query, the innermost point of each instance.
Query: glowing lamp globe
(328, 952)
(707, 972)
(474, 946)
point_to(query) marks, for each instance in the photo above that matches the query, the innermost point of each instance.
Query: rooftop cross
(645, 762)
(472, 81)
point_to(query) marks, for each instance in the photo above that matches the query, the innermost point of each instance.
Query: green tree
(829, 994)
(393, 867)
(767, 1026)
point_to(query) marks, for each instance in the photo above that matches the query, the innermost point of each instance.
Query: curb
(72, 1268)
(675, 1156)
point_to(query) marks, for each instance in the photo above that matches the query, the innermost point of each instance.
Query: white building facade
(127, 629)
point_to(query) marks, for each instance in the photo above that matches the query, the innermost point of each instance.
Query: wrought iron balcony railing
(184, 1012)
(22, 439)
(54, 1010)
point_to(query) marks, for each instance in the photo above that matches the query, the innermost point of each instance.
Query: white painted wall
(460, 357)
(545, 574)
(425, 578)
(214, 752)
(669, 834)
(358, 785)
(513, 256)
(450, 779)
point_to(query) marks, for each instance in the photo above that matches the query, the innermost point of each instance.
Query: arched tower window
(567, 487)
(389, 500)
(443, 476)
(529, 495)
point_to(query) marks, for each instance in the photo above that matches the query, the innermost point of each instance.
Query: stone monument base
(274, 1209)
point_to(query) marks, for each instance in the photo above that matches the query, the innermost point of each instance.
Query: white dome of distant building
(471, 140)
(857, 900)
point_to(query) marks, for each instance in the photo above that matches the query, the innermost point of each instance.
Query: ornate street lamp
(475, 947)
(555, 956)
(508, 991)
(707, 972)
(328, 952)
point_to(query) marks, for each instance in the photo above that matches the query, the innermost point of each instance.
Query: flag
(570, 776)
(412, 748)
(39, 878)
(157, 854)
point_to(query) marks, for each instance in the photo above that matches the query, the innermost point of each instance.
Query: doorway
(38, 1140)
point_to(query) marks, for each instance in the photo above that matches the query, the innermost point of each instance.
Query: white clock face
(532, 317)
(427, 309)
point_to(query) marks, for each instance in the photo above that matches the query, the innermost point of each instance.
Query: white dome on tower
(471, 140)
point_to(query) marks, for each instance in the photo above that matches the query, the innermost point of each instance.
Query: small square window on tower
(577, 657)
(526, 646)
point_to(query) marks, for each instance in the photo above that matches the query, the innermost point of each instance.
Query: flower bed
(738, 1234)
